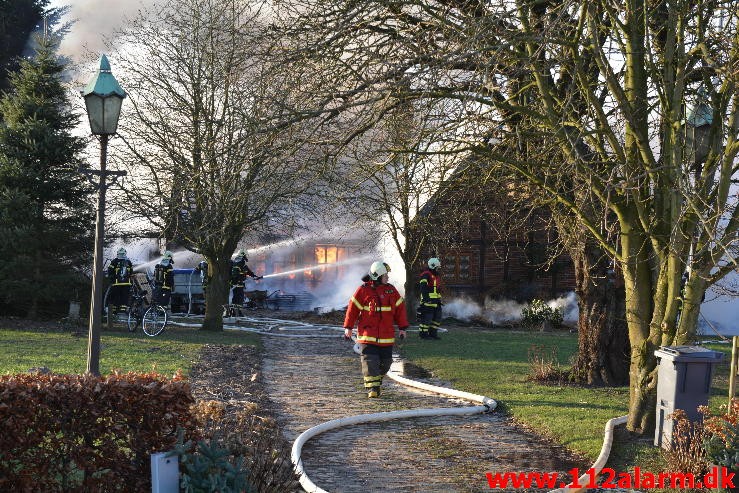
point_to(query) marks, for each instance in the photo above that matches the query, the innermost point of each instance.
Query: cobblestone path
(312, 380)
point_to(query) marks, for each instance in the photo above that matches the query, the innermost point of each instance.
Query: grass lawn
(174, 349)
(495, 363)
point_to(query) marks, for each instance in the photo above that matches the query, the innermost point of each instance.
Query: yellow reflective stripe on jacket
(400, 300)
(377, 309)
(375, 339)
(369, 309)
(434, 294)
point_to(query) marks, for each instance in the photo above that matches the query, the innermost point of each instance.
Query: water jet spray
(319, 266)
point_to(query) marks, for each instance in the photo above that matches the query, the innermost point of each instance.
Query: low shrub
(240, 451)
(544, 365)
(88, 433)
(207, 466)
(686, 453)
(538, 313)
(721, 440)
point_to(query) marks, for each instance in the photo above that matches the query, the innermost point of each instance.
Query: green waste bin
(683, 382)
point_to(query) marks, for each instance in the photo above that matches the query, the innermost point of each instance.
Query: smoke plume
(94, 22)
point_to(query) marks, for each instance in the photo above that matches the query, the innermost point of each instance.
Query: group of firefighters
(377, 307)
(120, 274)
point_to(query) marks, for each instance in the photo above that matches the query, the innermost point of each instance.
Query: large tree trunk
(644, 335)
(603, 341)
(216, 294)
(642, 393)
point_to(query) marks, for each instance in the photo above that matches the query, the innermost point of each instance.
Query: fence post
(733, 370)
(165, 473)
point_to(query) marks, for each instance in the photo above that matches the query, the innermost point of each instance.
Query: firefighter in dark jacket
(239, 271)
(119, 274)
(375, 308)
(430, 285)
(164, 279)
(202, 269)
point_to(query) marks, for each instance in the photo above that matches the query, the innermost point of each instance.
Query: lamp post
(697, 131)
(103, 98)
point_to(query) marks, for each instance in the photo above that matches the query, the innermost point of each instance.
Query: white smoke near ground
(504, 312)
(568, 305)
(335, 294)
(499, 312)
(462, 309)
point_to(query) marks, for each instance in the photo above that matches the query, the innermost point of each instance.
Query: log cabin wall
(478, 263)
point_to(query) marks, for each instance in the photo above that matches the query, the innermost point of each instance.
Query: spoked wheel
(154, 321)
(134, 316)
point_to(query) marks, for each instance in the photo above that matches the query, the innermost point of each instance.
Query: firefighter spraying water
(164, 279)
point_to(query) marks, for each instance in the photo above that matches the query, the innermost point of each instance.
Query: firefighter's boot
(433, 333)
(374, 392)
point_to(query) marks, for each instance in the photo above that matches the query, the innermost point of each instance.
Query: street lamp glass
(103, 113)
(103, 98)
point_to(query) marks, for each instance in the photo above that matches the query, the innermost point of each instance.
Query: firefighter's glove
(258, 278)
(401, 334)
(347, 334)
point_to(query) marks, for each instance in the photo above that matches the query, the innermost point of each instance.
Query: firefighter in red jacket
(375, 308)
(429, 285)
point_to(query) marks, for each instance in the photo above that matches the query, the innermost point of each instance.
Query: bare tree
(396, 181)
(609, 85)
(205, 166)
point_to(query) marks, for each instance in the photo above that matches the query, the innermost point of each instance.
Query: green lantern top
(701, 112)
(104, 84)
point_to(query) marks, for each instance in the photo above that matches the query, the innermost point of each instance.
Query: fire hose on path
(286, 328)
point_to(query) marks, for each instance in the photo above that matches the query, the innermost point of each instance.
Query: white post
(165, 473)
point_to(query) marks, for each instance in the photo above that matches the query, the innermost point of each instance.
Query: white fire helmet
(434, 263)
(121, 252)
(377, 270)
(168, 255)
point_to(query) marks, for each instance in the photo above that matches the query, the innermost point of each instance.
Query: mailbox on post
(683, 382)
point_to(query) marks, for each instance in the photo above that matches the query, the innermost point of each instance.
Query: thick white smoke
(499, 312)
(94, 22)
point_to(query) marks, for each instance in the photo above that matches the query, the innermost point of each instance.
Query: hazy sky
(95, 20)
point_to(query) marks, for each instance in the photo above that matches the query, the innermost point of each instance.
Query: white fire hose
(486, 403)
